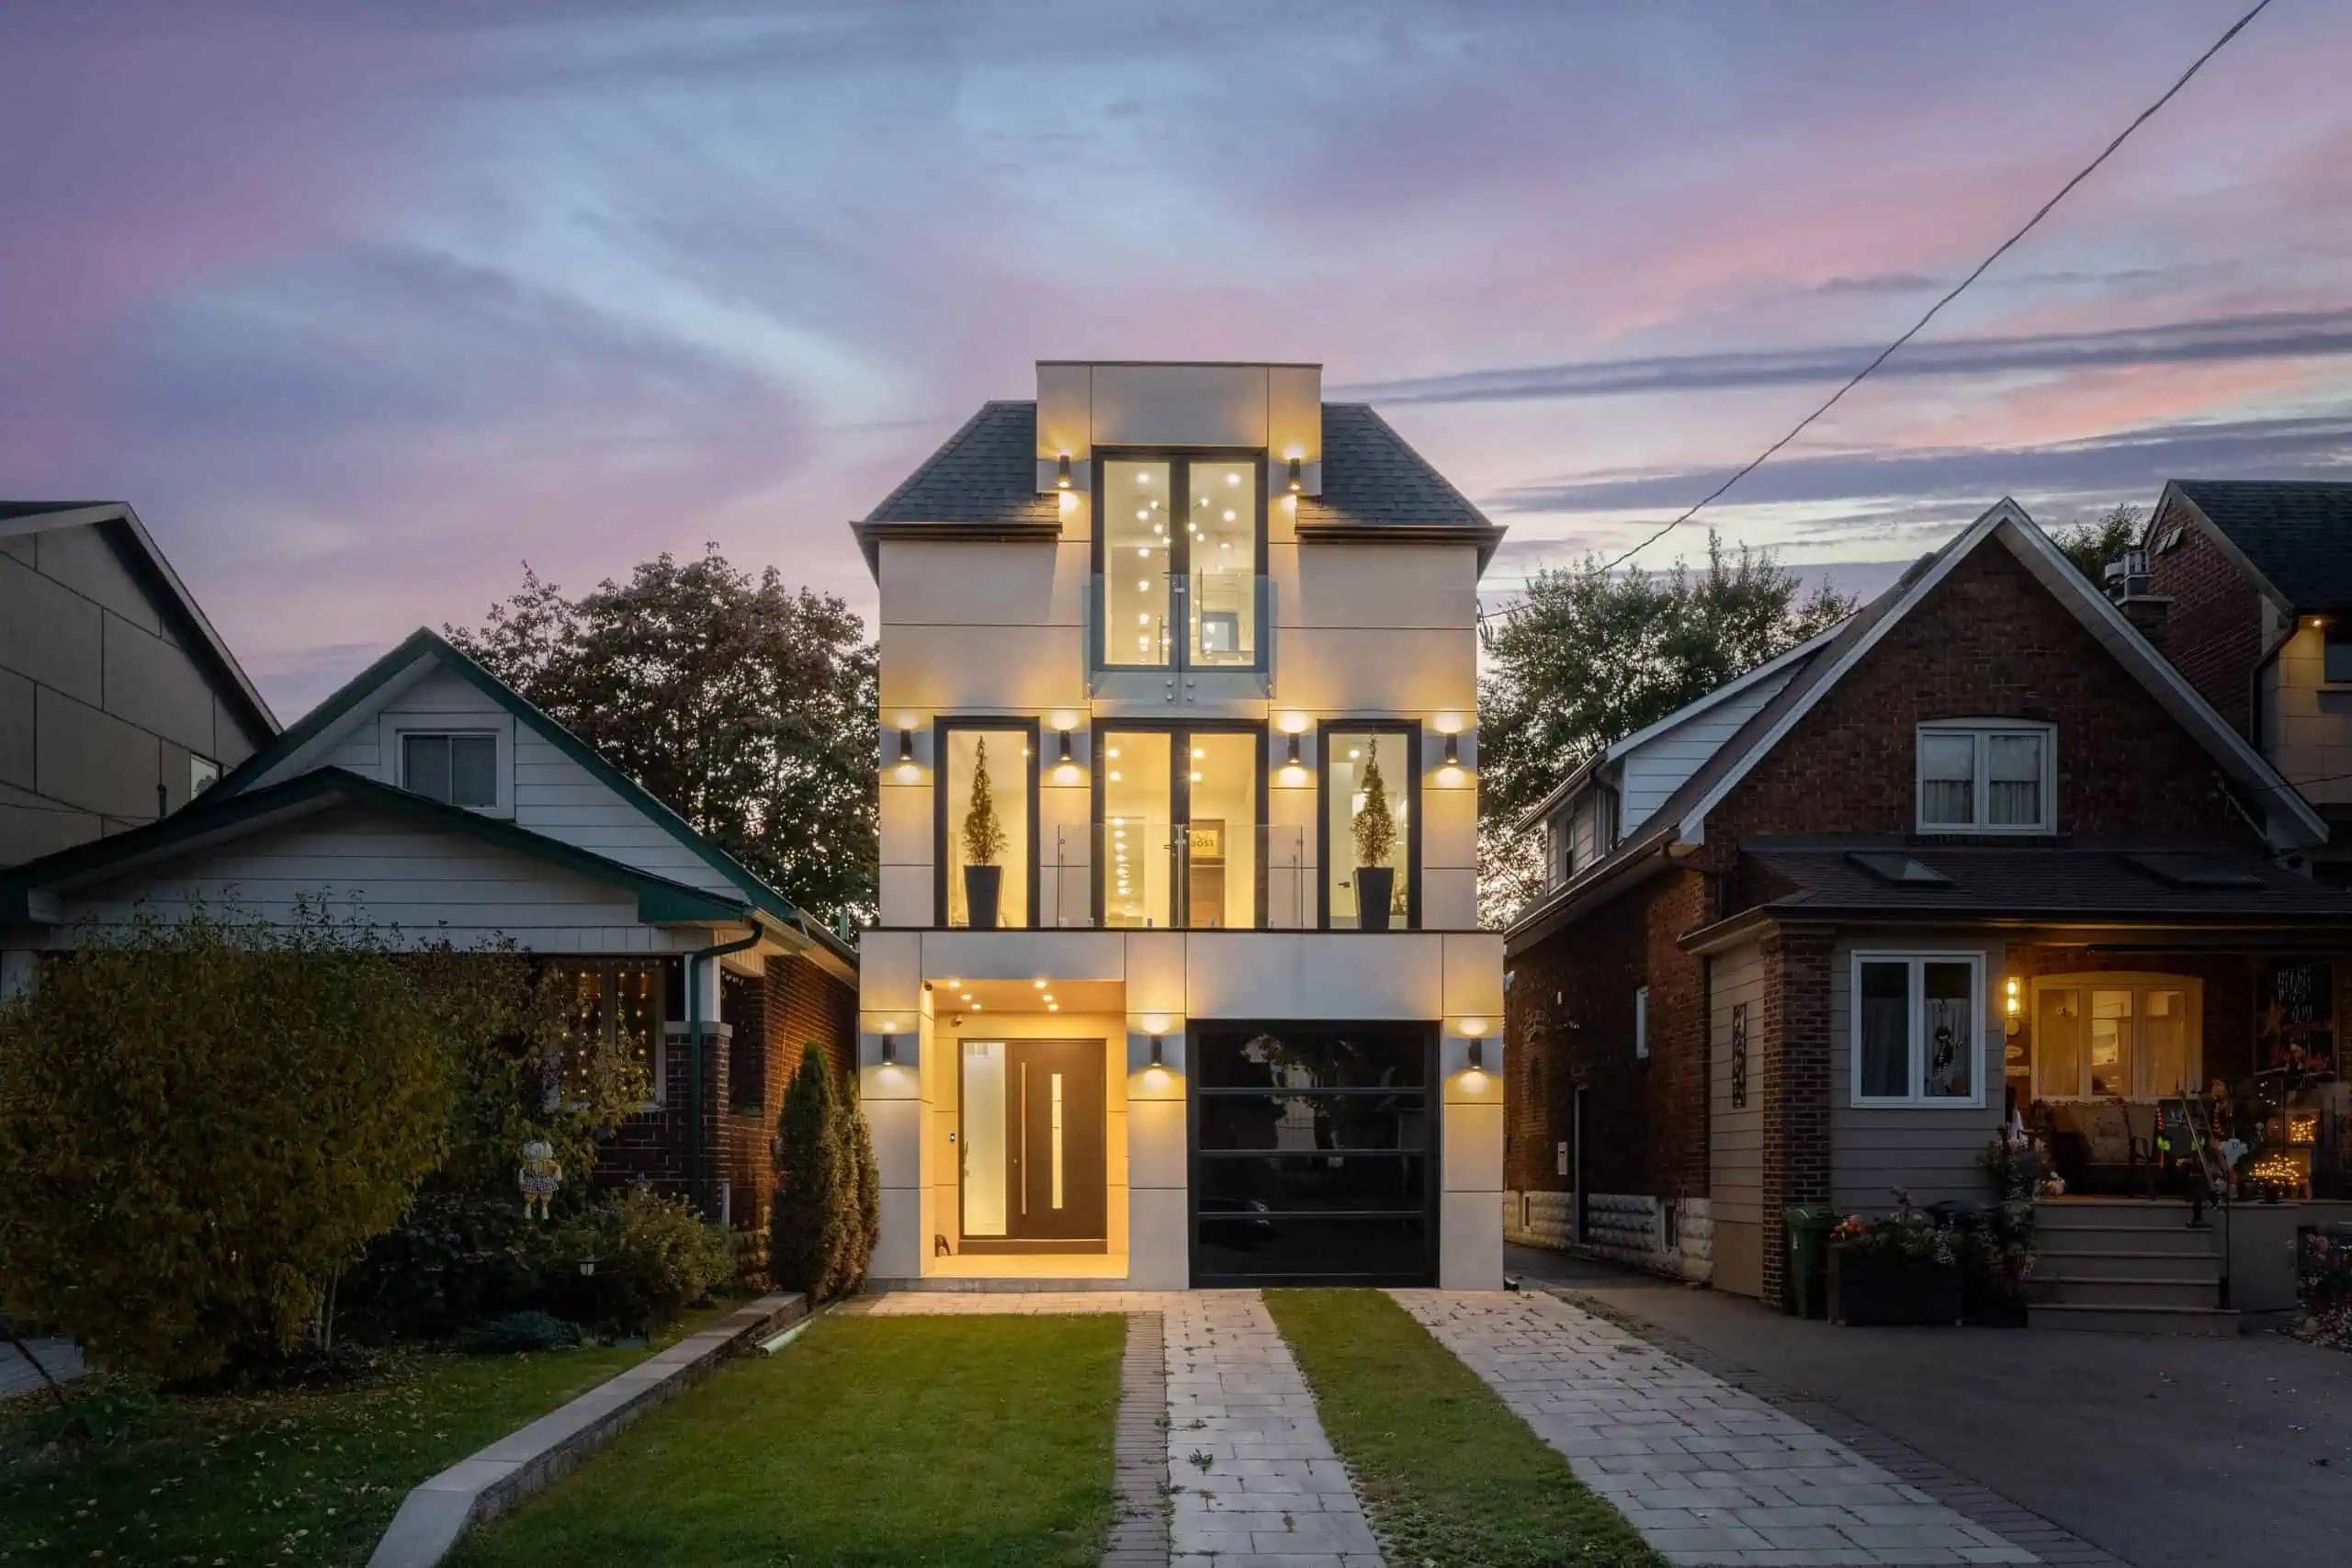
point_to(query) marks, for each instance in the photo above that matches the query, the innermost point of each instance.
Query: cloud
(2124, 464)
(2287, 335)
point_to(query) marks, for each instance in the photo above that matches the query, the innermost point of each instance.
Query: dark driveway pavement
(2168, 1452)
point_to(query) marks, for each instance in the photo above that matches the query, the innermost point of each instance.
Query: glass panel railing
(1147, 618)
(1145, 873)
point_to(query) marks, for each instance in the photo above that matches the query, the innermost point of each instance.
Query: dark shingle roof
(987, 474)
(2297, 533)
(2125, 882)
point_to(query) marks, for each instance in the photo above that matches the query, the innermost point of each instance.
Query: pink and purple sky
(364, 308)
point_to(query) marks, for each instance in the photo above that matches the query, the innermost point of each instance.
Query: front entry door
(1034, 1145)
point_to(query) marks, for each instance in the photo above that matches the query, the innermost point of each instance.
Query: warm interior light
(1039, 983)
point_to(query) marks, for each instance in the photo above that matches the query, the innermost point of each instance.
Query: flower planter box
(1870, 1287)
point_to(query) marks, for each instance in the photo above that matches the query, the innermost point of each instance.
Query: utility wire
(2064, 191)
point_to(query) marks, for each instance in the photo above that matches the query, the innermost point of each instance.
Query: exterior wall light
(1159, 1050)
(1477, 1056)
(1295, 481)
(1294, 769)
(906, 771)
(889, 1044)
(1065, 765)
(1061, 473)
(2012, 1004)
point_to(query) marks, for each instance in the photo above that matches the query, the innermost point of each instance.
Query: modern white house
(1178, 979)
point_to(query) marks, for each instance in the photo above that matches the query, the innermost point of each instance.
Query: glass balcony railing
(1143, 873)
(1203, 619)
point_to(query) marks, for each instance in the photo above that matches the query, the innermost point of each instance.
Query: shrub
(659, 1256)
(867, 1212)
(202, 1124)
(528, 1331)
(454, 1260)
(811, 1218)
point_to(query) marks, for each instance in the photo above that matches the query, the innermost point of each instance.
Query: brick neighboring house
(1977, 851)
(430, 799)
(2248, 590)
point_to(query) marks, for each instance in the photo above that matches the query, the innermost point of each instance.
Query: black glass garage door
(1313, 1153)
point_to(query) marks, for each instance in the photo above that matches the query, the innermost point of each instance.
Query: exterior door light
(1061, 473)
(1295, 482)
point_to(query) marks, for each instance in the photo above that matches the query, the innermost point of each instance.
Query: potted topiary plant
(983, 843)
(1375, 834)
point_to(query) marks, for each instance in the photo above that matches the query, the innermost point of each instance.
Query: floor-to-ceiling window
(1371, 826)
(1178, 840)
(1180, 555)
(992, 761)
(1314, 1152)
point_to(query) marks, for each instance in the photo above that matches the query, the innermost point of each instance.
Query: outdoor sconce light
(1477, 1056)
(1061, 474)
(1454, 749)
(1159, 1051)
(1294, 481)
(890, 1045)
(2012, 1006)
(907, 770)
(1294, 769)
(1065, 765)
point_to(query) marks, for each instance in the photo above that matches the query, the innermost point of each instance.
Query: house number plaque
(1739, 1055)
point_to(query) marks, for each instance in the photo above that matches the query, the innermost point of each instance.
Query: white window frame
(394, 728)
(1918, 960)
(1641, 1024)
(1980, 733)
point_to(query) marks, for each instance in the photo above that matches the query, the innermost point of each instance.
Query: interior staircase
(2126, 1266)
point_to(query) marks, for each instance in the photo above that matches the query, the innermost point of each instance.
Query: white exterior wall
(2306, 722)
(1656, 768)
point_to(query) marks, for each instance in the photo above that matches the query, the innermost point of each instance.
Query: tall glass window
(1179, 546)
(1178, 828)
(994, 764)
(1369, 778)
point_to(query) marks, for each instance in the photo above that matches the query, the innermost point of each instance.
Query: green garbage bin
(1809, 1260)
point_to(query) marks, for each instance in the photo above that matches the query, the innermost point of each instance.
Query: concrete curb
(495, 1480)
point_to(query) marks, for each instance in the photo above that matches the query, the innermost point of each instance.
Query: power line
(2043, 212)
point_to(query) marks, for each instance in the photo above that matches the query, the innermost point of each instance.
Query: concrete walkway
(1706, 1472)
(62, 1359)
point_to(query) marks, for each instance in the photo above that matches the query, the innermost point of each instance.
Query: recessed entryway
(1032, 1140)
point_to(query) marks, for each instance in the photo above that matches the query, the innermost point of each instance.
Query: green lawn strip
(909, 1442)
(1448, 1473)
(297, 1478)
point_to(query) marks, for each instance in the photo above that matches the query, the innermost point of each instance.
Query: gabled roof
(121, 525)
(2295, 537)
(982, 483)
(319, 729)
(215, 816)
(2289, 821)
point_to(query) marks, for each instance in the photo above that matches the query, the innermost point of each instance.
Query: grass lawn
(906, 1441)
(296, 1478)
(1448, 1473)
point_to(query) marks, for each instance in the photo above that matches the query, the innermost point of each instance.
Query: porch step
(2076, 1290)
(2105, 1214)
(2133, 1319)
(2075, 1260)
(2171, 1240)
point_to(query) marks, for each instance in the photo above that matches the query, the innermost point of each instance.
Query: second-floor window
(986, 817)
(1986, 776)
(1371, 833)
(1178, 835)
(1180, 553)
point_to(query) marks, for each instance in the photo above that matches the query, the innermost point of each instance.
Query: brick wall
(1990, 641)
(2214, 631)
(1795, 1057)
(1571, 1020)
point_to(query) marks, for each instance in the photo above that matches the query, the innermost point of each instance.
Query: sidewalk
(59, 1356)
(2168, 1452)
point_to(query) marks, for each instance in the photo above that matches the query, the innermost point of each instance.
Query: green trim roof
(423, 643)
(658, 897)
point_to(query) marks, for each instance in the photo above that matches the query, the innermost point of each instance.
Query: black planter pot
(982, 886)
(1375, 890)
(1871, 1287)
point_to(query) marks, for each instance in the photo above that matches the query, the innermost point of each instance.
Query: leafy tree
(1591, 656)
(201, 1125)
(2092, 545)
(745, 706)
(810, 1219)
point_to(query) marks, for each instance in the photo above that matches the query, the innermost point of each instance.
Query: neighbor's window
(1642, 1024)
(455, 770)
(1986, 778)
(2335, 654)
(203, 772)
(1368, 829)
(1177, 541)
(1917, 1028)
(610, 1005)
(998, 833)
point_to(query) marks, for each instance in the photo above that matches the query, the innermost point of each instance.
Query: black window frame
(2336, 651)
(1324, 730)
(1430, 1213)
(941, 728)
(1179, 809)
(408, 737)
(1179, 493)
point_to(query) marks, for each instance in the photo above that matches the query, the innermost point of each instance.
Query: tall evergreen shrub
(810, 1221)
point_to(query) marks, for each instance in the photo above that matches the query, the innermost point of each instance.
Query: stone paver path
(1707, 1473)
(59, 1356)
(1255, 1481)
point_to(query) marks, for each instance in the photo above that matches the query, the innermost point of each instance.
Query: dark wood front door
(1054, 1131)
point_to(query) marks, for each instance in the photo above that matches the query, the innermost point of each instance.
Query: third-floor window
(1180, 546)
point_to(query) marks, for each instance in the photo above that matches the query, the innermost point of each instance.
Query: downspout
(695, 960)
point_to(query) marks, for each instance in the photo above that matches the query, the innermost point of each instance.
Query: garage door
(1314, 1155)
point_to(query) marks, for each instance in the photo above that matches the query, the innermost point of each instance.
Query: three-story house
(1178, 979)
